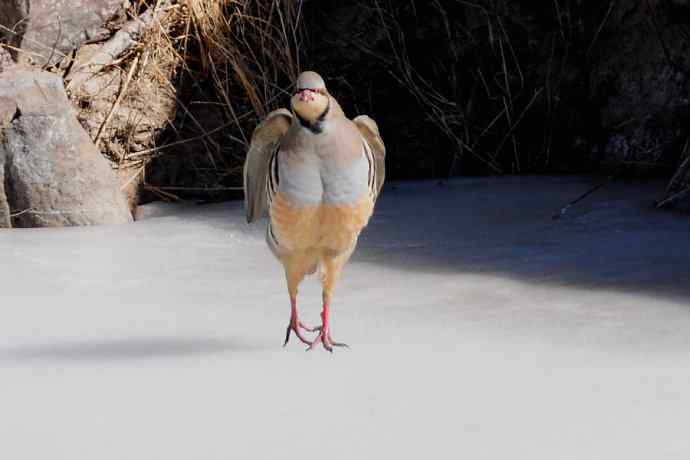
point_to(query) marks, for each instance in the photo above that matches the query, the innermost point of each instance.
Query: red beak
(305, 95)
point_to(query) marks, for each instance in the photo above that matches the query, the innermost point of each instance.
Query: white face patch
(310, 112)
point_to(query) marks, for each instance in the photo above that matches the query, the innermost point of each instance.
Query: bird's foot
(297, 326)
(325, 339)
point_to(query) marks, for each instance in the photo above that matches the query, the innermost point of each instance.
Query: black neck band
(317, 126)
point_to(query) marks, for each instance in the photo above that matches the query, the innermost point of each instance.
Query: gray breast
(300, 178)
(344, 184)
(323, 171)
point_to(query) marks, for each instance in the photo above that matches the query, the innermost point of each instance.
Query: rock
(4, 205)
(53, 173)
(141, 113)
(641, 72)
(6, 60)
(54, 27)
(8, 109)
(12, 18)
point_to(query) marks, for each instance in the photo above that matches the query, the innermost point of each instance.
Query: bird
(317, 175)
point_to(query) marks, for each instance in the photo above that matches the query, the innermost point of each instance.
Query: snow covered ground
(479, 329)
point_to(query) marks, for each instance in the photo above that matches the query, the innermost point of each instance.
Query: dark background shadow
(615, 239)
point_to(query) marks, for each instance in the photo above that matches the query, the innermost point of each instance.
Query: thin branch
(118, 100)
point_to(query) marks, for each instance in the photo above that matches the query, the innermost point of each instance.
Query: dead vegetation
(236, 59)
(172, 95)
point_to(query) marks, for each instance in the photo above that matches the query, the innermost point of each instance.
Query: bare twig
(147, 152)
(120, 96)
(612, 3)
(601, 184)
(682, 169)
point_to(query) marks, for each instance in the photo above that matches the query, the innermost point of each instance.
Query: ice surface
(479, 329)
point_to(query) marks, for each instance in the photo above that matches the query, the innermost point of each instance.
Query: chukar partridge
(318, 175)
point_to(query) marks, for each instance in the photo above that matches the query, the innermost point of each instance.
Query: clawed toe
(296, 326)
(305, 327)
(323, 331)
(325, 339)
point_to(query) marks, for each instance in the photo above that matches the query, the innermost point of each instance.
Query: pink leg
(324, 336)
(295, 324)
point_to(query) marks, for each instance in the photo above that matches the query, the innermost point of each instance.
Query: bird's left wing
(370, 132)
(265, 140)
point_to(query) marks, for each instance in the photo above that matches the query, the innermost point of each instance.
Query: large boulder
(53, 174)
(45, 30)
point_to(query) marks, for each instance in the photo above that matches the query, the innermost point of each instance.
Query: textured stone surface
(641, 73)
(53, 173)
(47, 29)
(4, 206)
(13, 14)
(6, 60)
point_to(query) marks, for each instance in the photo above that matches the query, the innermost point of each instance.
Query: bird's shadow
(125, 349)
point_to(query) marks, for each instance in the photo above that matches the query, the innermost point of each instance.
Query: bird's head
(311, 101)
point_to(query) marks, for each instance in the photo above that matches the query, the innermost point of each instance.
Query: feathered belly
(322, 227)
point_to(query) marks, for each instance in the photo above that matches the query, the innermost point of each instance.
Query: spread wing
(265, 140)
(370, 132)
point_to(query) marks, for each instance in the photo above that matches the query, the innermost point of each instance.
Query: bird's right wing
(265, 140)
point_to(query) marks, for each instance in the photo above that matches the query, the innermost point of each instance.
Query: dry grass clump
(247, 45)
(236, 56)
(172, 95)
